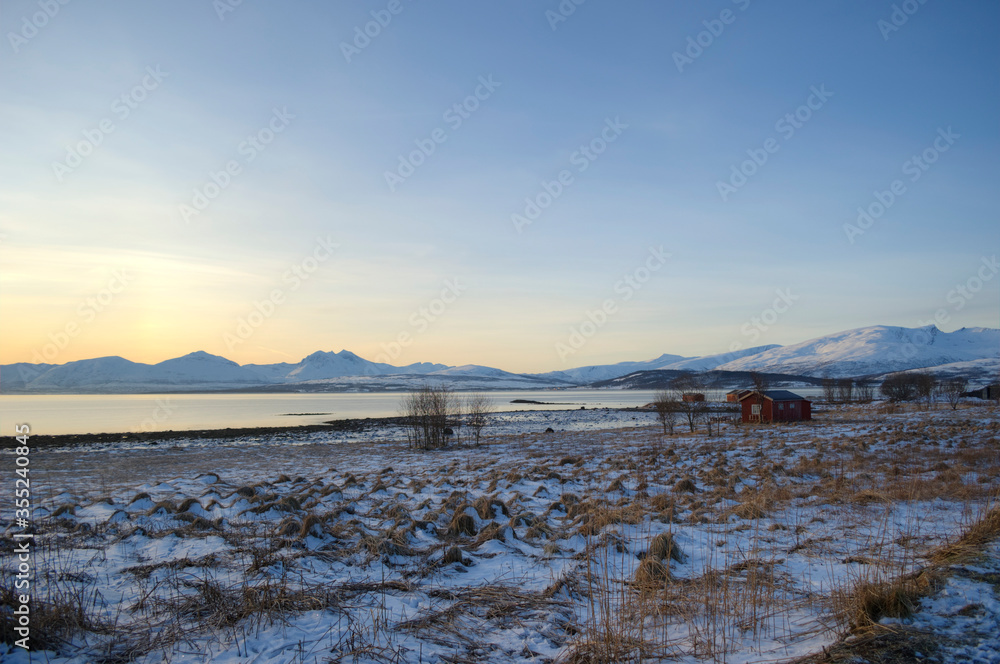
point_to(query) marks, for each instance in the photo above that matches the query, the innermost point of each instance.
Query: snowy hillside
(594, 373)
(710, 362)
(198, 367)
(332, 365)
(111, 371)
(874, 351)
(475, 370)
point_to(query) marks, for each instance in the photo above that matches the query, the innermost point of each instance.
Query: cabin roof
(776, 395)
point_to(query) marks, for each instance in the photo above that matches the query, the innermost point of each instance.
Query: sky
(531, 185)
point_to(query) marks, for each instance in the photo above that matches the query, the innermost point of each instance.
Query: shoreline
(352, 425)
(347, 425)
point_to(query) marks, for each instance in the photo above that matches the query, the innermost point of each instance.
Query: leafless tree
(479, 407)
(952, 389)
(845, 390)
(829, 389)
(667, 405)
(427, 412)
(686, 388)
(898, 387)
(925, 387)
(760, 383)
(865, 391)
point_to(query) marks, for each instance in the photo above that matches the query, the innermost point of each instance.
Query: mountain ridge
(862, 352)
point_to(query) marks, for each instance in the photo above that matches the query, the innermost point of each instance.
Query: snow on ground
(601, 539)
(964, 614)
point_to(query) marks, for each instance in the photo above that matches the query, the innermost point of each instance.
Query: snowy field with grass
(868, 532)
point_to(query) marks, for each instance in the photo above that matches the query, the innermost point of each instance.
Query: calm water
(61, 414)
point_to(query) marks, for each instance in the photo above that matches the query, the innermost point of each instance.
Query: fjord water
(129, 413)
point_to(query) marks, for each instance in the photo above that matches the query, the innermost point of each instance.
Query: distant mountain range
(869, 352)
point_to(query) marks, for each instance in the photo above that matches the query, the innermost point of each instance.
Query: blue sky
(223, 279)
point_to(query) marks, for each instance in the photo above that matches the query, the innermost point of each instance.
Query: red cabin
(775, 406)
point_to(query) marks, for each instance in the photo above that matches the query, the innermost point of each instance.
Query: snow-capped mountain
(873, 351)
(111, 371)
(332, 365)
(474, 370)
(199, 367)
(710, 362)
(870, 351)
(594, 373)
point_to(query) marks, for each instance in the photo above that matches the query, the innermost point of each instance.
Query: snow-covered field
(601, 541)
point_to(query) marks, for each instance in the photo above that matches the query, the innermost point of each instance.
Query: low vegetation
(762, 543)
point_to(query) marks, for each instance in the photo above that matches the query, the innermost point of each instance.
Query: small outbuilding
(733, 396)
(988, 392)
(775, 406)
(692, 397)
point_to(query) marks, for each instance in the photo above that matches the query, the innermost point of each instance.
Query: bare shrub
(427, 412)
(479, 407)
(667, 408)
(952, 389)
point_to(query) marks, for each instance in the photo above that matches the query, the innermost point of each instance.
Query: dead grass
(813, 492)
(862, 605)
(461, 524)
(663, 546)
(985, 529)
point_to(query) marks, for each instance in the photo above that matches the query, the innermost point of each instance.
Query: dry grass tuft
(188, 504)
(984, 530)
(651, 574)
(663, 546)
(485, 507)
(868, 497)
(752, 508)
(288, 528)
(861, 606)
(592, 523)
(616, 486)
(462, 524)
(310, 524)
(493, 531)
(685, 485)
(166, 505)
(452, 555)
(63, 509)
